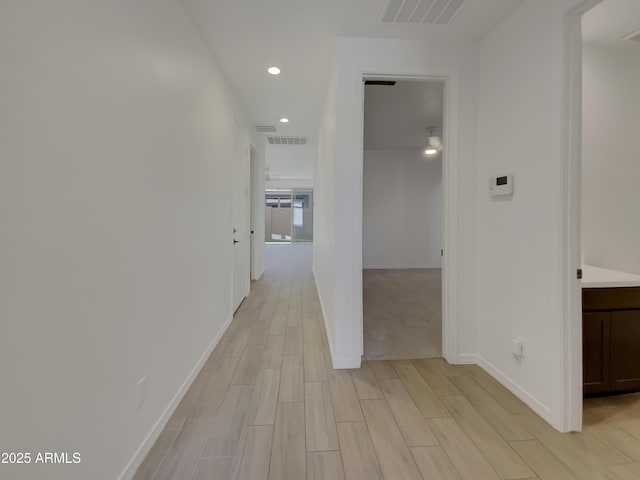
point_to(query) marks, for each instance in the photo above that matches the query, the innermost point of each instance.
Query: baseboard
(338, 363)
(516, 389)
(258, 276)
(467, 359)
(142, 451)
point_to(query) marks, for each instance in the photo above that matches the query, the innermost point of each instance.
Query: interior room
(143, 335)
(402, 219)
(610, 227)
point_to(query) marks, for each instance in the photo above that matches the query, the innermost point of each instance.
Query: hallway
(268, 405)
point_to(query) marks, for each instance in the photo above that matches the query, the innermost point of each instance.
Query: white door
(241, 216)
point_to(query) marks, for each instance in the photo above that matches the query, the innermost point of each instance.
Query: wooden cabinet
(595, 348)
(611, 340)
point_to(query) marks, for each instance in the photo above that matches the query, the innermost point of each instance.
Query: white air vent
(287, 140)
(266, 128)
(635, 36)
(438, 12)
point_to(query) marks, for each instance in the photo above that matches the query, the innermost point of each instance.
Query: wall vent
(634, 37)
(287, 140)
(438, 12)
(266, 128)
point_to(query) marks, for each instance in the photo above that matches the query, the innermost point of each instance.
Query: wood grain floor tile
(256, 456)
(504, 460)
(504, 397)
(248, 366)
(314, 363)
(226, 433)
(434, 463)
(505, 424)
(358, 455)
(292, 379)
(433, 373)
(366, 383)
(544, 463)
(407, 415)
(383, 370)
(346, 405)
(273, 350)
(324, 466)
(423, 395)
(464, 455)
(262, 409)
(288, 451)
(293, 344)
(320, 421)
(216, 468)
(278, 323)
(393, 454)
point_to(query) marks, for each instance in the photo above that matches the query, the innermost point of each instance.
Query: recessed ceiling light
(284, 120)
(273, 70)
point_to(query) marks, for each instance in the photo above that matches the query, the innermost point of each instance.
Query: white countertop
(596, 277)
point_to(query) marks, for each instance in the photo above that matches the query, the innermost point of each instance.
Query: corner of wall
(338, 363)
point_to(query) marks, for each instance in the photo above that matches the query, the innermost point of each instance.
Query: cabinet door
(625, 350)
(595, 352)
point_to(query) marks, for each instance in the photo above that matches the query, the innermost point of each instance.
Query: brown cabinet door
(625, 350)
(595, 352)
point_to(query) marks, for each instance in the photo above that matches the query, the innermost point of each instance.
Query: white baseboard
(338, 363)
(467, 359)
(142, 451)
(258, 276)
(531, 401)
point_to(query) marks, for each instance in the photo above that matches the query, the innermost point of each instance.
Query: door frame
(450, 348)
(572, 395)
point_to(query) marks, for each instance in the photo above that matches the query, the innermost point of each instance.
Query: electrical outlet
(141, 392)
(517, 349)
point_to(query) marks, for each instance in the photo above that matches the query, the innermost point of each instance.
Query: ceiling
(607, 23)
(397, 117)
(247, 36)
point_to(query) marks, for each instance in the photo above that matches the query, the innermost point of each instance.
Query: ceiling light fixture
(434, 143)
(284, 120)
(273, 70)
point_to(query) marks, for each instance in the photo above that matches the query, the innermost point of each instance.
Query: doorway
(402, 237)
(288, 216)
(241, 216)
(609, 178)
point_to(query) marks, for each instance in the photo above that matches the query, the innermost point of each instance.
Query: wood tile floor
(268, 406)
(402, 312)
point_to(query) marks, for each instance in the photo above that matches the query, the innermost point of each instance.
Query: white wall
(402, 209)
(286, 184)
(115, 142)
(611, 158)
(519, 250)
(339, 172)
(324, 213)
(291, 162)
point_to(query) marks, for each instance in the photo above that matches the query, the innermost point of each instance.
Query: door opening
(402, 219)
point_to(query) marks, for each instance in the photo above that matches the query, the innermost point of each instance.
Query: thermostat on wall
(501, 185)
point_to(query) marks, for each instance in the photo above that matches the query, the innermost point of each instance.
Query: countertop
(596, 277)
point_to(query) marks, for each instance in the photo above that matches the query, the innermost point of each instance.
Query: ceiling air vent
(287, 140)
(438, 12)
(266, 128)
(634, 37)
